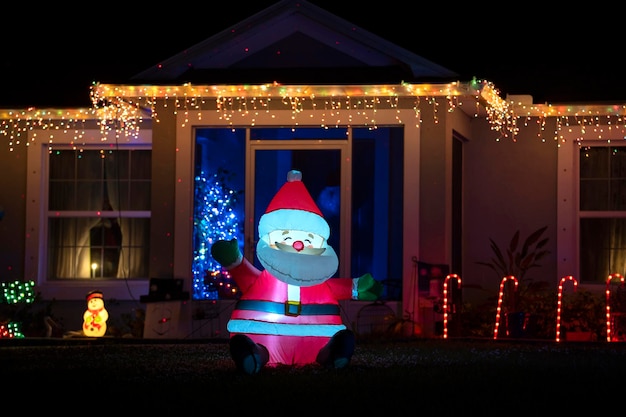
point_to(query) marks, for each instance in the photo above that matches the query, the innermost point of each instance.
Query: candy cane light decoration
(608, 303)
(446, 306)
(500, 297)
(559, 303)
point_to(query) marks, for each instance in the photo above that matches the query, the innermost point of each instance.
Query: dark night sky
(51, 55)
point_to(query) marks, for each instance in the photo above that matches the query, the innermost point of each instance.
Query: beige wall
(435, 173)
(163, 194)
(13, 204)
(507, 186)
(433, 191)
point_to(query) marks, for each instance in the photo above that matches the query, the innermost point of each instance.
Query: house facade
(414, 170)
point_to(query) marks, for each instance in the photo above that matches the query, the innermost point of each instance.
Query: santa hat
(94, 294)
(293, 208)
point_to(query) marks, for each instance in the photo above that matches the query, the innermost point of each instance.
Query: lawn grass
(490, 377)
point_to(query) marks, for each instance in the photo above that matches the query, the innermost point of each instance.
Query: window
(602, 211)
(377, 194)
(219, 176)
(98, 213)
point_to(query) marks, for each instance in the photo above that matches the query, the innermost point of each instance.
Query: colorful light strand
(120, 110)
(14, 293)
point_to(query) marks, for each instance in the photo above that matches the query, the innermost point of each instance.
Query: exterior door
(322, 175)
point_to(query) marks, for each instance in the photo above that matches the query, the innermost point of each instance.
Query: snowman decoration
(96, 316)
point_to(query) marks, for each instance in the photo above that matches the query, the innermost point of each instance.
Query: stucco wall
(163, 195)
(507, 186)
(433, 192)
(12, 210)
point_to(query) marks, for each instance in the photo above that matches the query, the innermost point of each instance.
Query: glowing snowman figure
(96, 316)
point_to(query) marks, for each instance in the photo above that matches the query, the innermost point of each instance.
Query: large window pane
(603, 199)
(602, 248)
(320, 174)
(594, 175)
(377, 206)
(603, 178)
(84, 182)
(218, 204)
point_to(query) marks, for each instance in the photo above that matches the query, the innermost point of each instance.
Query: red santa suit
(292, 322)
(291, 307)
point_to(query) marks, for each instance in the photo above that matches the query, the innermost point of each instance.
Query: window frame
(568, 192)
(595, 214)
(36, 256)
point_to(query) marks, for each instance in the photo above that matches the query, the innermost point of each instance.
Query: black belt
(289, 308)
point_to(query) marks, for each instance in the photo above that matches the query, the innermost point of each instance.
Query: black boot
(249, 357)
(338, 351)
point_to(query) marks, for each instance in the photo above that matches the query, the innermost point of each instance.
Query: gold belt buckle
(293, 308)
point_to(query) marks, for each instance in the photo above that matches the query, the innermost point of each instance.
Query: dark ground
(486, 377)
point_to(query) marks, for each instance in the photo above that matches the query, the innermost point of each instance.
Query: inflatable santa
(289, 312)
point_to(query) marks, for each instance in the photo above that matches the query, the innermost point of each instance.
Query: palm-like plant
(517, 261)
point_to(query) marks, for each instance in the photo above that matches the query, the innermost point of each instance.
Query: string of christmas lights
(13, 293)
(121, 109)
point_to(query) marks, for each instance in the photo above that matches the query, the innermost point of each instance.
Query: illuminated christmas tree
(214, 218)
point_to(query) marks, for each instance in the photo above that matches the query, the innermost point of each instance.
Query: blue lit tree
(214, 218)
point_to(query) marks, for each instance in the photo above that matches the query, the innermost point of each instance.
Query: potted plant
(583, 315)
(516, 260)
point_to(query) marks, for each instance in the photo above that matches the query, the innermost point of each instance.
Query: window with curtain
(99, 213)
(602, 211)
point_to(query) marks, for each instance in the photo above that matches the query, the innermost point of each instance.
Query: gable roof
(291, 42)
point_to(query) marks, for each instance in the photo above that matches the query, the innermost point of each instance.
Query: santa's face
(297, 257)
(306, 243)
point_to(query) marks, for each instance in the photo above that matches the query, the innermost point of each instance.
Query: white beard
(295, 268)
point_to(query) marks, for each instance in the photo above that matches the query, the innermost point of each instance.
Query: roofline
(484, 91)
